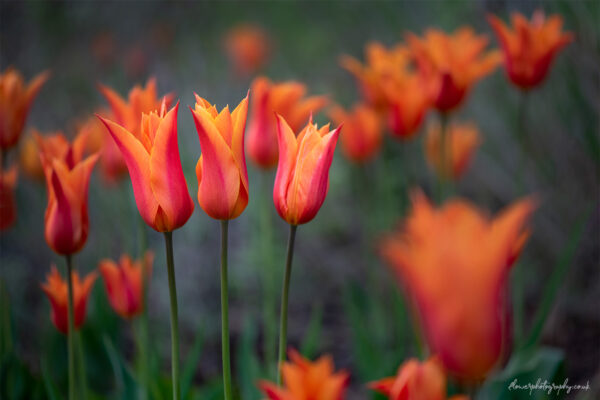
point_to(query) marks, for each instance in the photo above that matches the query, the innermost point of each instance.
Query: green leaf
(191, 363)
(310, 342)
(6, 342)
(124, 378)
(249, 365)
(51, 391)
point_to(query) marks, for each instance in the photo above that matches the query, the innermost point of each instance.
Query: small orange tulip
(15, 100)
(221, 169)
(67, 181)
(248, 48)
(455, 263)
(416, 380)
(451, 63)
(57, 291)
(286, 99)
(152, 157)
(407, 108)
(29, 157)
(8, 206)
(305, 380)
(362, 135)
(530, 47)
(461, 140)
(302, 178)
(124, 283)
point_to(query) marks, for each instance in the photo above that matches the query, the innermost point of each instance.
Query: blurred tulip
(67, 181)
(450, 64)
(285, 99)
(15, 100)
(248, 48)
(362, 135)
(221, 169)
(305, 380)
(530, 47)
(8, 206)
(124, 283)
(461, 140)
(455, 263)
(302, 178)
(103, 48)
(136, 61)
(57, 291)
(29, 157)
(407, 109)
(152, 158)
(416, 380)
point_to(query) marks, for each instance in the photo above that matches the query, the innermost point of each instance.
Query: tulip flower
(15, 100)
(416, 380)
(306, 380)
(268, 99)
(407, 108)
(57, 291)
(450, 64)
(124, 283)
(29, 158)
(248, 48)
(455, 262)
(530, 47)
(8, 206)
(362, 136)
(461, 140)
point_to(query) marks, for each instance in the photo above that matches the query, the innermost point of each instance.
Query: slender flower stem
(174, 321)
(225, 312)
(523, 140)
(444, 172)
(81, 362)
(143, 341)
(71, 332)
(284, 301)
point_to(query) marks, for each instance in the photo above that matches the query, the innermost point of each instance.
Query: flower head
(454, 262)
(248, 48)
(461, 140)
(305, 380)
(124, 282)
(8, 205)
(221, 169)
(302, 178)
(530, 47)
(362, 135)
(57, 291)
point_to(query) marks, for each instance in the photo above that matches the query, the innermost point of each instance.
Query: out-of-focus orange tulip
(362, 135)
(302, 178)
(530, 47)
(286, 99)
(221, 169)
(407, 109)
(57, 291)
(305, 380)
(67, 181)
(152, 157)
(15, 100)
(124, 283)
(8, 206)
(416, 380)
(29, 157)
(450, 64)
(455, 261)
(461, 142)
(248, 48)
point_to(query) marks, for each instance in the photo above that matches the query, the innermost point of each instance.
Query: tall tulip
(222, 189)
(8, 206)
(455, 263)
(301, 185)
(362, 136)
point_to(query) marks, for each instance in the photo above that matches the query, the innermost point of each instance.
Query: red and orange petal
(362, 136)
(8, 205)
(461, 142)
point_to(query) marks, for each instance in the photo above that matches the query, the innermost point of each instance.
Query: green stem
(444, 172)
(225, 312)
(143, 341)
(81, 361)
(174, 321)
(523, 140)
(284, 300)
(71, 331)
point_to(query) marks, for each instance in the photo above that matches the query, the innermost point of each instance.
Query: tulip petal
(117, 104)
(60, 219)
(288, 148)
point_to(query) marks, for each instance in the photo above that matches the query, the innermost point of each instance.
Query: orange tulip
(408, 107)
(152, 157)
(15, 100)
(461, 140)
(530, 47)
(302, 178)
(451, 63)
(416, 380)
(268, 99)
(362, 135)
(57, 291)
(8, 206)
(455, 263)
(29, 157)
(124, 283)
(305, 380)
(248, 48)
(221, 169)
(67, 181)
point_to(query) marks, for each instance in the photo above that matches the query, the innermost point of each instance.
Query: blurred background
(342, 299)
